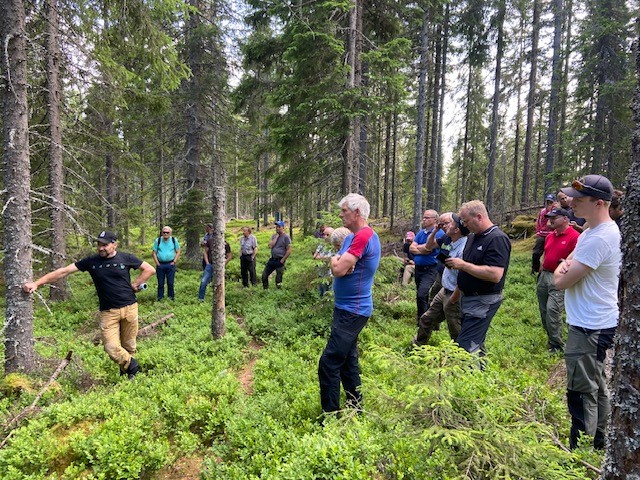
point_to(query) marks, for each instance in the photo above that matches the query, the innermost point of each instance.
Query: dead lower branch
(148, 330)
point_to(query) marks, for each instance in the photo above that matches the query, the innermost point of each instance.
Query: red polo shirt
(558, 246)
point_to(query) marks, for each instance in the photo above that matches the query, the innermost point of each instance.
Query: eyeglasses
(166, 233)
(579, 186)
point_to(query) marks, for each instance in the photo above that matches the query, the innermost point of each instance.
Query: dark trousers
(587, 393)
(477, 313)
(168, 271)
(272, 264)
(339, 361)
(538, 250)
(425, 276)
(248, 270)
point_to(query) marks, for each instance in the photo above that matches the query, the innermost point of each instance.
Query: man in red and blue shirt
(353, 269)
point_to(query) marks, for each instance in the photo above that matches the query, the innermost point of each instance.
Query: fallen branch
(586, 464)
(146, 331)
(27, 411)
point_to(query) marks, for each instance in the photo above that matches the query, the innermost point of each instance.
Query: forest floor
(247, 406)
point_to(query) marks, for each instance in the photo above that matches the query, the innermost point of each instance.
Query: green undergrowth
(428, 413)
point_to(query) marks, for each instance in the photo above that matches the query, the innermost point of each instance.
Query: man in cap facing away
(110, 272)
(589, 276)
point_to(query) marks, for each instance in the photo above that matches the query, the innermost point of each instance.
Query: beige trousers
(119, 328)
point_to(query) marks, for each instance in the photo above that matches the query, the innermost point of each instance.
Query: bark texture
(623, 442)
(59, 290)
(19, 351)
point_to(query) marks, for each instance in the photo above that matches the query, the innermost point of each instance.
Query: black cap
(458, 221)
(549, 197)
(590, 186)
(556, 212)
(106, 237)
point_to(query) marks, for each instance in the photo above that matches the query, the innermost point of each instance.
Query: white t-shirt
(593, 301)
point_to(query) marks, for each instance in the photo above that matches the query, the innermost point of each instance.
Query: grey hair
(339, 234)
(355, 201)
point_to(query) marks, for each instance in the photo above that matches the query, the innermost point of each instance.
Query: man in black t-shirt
(110, 272)
(482, 272)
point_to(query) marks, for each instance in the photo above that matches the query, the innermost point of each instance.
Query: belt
(426, 267)
(476, 294)
(447, 291)
(164, 263)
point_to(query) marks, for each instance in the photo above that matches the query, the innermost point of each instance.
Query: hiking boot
(133, 368)
(599, 441)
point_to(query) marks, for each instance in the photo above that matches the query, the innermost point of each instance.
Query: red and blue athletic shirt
(353, 291)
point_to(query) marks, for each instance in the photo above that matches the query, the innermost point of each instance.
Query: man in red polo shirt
(557, 246)
(542, 231)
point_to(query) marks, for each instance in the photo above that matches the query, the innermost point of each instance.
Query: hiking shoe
(133, 368)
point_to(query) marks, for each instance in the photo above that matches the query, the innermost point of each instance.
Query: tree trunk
(59, 290)
(355, 79)
(392, 206)
(420, 123)
(387, 172)
(518, 119)
(465, 148)
(565, 85)
(194, 120)
(531, 106)
(218, 199)
(19, 354)
(110, 177)
(435, 127)
(556, 69)
(493, 144)
(621, 460)
(443, 70)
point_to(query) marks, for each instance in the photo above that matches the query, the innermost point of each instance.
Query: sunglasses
(166, 233)
(581, 187)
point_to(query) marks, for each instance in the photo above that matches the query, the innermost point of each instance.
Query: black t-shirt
(112, 279)
(491, 247)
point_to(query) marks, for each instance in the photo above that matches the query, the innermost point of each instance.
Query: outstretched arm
(51, 277)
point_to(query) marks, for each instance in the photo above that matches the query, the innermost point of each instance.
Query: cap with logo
(106, 237)
(549, 197)
(595, 186)
(557, 212)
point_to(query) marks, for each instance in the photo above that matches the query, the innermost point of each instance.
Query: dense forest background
(148, 104)
(130, 114)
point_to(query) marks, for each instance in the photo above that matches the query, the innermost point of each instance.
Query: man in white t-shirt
(590, 277)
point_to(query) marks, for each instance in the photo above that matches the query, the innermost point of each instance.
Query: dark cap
(280, 223)
(549, 197)
(106, 237)
(557, 212)
(458, 221)
(595, 186)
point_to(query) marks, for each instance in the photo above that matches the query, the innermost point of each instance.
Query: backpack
(175, 245)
